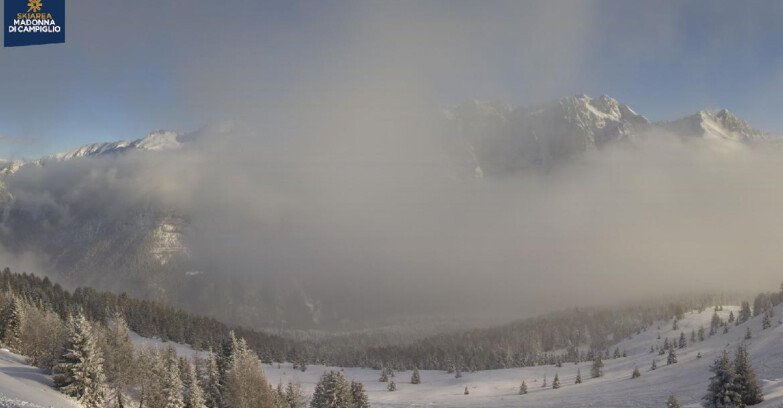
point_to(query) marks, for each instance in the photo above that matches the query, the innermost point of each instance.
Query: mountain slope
(715, 125)
(496, 139)
(24, 386)
(687, 379)
(103, 214)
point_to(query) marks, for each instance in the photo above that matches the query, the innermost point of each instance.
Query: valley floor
(687, 379)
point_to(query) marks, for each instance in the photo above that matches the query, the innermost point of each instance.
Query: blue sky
(129, 67)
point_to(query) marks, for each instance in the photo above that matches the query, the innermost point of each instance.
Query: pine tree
(556, 382)
(731, 316)
(385, 377)
(152, 366)
(744, 314)
(693, 336)
(616, 352)
(79, 371)
(332, 391)
(745, 380)
(466, 390)
(748, 334)
(767, 322)
(654, 366)
(721, 393)
(522, 388)
(597, 370)
(246, 385)
(672, 357)
(294, 397)
(544, 384)
(578, 376)
(683, 342)
(672, 402)
(415, 377)
(193, 395)
(359, 396)
(11, 324)
(635, 373)
(714, 323)
(213, 397)
(278, 395)
(392, 386)
(701, 333)
(172, 382)
(458, 373)
(119, 365)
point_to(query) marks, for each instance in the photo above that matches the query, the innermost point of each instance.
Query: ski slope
(687, 379)
(24, 386)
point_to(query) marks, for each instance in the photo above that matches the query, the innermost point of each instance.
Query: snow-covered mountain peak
(155, 141)
(607, 105)
(159, 140)
(717, 125)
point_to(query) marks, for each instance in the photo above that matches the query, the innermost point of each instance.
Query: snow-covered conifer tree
(745, 380)
(721, 393)
(672, 357)
(359, 396)
(636, 373)
(79, 371)
(597, 369)
(332, 391)
(415, 377)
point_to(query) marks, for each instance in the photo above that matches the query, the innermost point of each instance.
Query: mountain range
(142, 246)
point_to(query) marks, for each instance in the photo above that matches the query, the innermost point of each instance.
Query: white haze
(341, 178)
(370, 211)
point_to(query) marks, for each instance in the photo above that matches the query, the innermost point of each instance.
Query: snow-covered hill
(23, 386)
(687, 379)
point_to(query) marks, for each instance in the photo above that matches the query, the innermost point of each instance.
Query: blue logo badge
(30, 22)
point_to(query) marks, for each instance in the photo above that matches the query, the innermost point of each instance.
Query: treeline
(565, 336)
(97, 364)
(147, 318)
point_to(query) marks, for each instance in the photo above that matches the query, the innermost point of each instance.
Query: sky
(336, 170)
(128, 68)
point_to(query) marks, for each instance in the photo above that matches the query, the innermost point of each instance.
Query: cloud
(21, 141)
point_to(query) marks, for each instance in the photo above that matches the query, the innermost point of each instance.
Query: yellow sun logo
(34, 5)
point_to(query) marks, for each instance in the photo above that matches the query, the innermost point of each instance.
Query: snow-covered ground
(498, 388)
(24, 386)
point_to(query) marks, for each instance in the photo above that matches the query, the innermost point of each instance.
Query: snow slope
(24, 386)
(498, 388)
